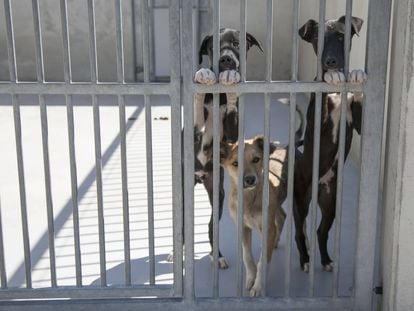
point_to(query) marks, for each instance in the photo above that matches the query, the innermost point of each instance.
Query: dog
(228, 74)
(252, 197)
(333, 66)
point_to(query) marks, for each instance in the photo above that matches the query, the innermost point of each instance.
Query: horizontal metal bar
(154, 304)
(84, 88)
(277, 87)
(86, 292)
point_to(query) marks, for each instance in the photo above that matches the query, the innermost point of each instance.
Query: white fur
(357, 76)
(205, 76)
(335, 114)
(229, 77)
(326, 179)
(334, 77)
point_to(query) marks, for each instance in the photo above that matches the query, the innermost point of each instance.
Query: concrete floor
(60, 175)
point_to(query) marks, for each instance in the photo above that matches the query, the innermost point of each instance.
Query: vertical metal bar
(65, 40)
(148, 130)
(22, 189)
(240, 155)
(292, 147)
(372, 124)
(216, 147)
(3, 275)
(187, 67)
(122, 129)
(175, 97)
(265, 194)
(92, 41)
(71, 140)
(341, 152)
(97, 138)
(18, 135)
(151, 46)
(98, 167)
(74, 188)
(45, 145)
(316, 149)
(49, 202)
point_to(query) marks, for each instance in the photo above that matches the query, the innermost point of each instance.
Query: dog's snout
(249, 181)
(227, 62)
(331, 62)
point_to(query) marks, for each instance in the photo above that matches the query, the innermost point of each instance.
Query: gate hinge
(378, 290)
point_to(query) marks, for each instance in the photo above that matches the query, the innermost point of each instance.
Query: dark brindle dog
(203, 114)
(333, 65)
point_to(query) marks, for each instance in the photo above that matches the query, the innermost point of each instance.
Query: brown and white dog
(333, 66)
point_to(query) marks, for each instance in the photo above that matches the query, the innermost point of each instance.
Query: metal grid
(181, 94)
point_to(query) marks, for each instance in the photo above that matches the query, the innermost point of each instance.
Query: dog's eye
(236, 44)
(235, 164)
(256, 159)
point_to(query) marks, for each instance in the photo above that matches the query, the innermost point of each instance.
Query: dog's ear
(203, 48)
(250, 40)
(224, 151)
(307, 31)
(259, 142)
(356, 23)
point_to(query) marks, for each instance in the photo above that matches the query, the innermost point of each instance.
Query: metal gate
(181, 90)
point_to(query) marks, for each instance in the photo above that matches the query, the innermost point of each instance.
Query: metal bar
(11, 48)
(86, 292)
(240, 155)
(145, 40)
(165, 88)
(316, 149)
(48, 188)
(92, 41)
(45, 145)
(341, 152)
(216, 147)
(379, 13)
(265, 198)
(292, 147)
(22, 189)
(67, 70)
(150, 185)
(74, 188)
(177, 304)
(151, 46)
(99, 192)
(119, 42)
(269, 40)
(3, 275)
(188, 106)
(176, 134)
(125, 201)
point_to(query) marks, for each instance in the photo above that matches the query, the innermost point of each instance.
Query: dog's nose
(331, 62)
(227, 62)
(249, 181)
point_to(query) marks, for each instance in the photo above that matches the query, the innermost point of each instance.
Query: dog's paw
(250, 281)
(357, 76)
(334, 77)
(306, 267)
(229, 77)
(255, 290)
(170, 257)
(205, 76)
(329, 267)
(222, 262)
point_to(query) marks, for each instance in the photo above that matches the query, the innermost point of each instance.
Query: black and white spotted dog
(203, 114)
(333, 65)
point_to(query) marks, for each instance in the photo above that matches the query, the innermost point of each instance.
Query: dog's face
(253, 161)
(333, 57)
(229, 48)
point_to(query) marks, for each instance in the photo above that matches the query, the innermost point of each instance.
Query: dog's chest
(334, 112)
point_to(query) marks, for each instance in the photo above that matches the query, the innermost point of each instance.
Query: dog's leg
(248, 258)
(208, 185)
(279, 222)
(272, 236)
(202, 76)
(300, 211)
(327, 204)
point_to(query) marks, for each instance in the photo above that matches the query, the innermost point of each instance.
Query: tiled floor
(137, 200)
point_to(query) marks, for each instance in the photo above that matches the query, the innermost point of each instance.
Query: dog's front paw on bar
(205, 76)
(334, 77)
(229, 77)
(358, 76)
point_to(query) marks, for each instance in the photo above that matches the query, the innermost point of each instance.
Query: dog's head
(229, 48)
(333, 57)
(253, 161)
